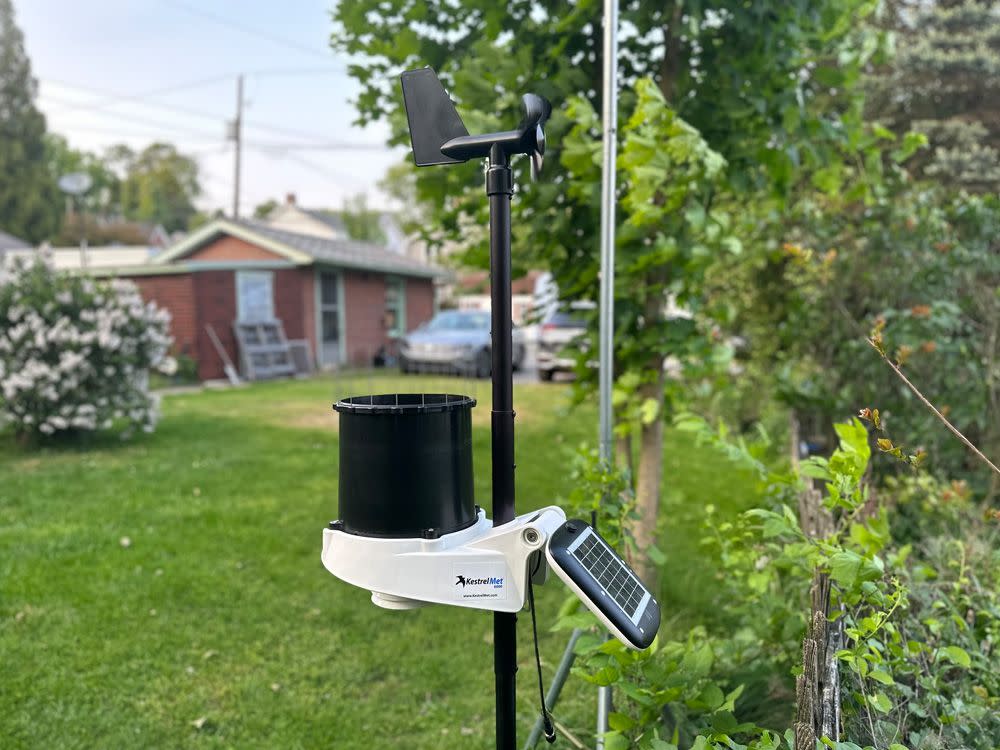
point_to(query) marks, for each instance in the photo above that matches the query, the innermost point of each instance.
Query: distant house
(347, 299)
(9, 243)
(75, 258)
(329, 224)
(471, 291)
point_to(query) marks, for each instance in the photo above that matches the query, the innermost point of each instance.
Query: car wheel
(484, 364)
(546, 375)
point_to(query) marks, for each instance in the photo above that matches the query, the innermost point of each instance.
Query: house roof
(332, 220)
(301, 249)
(10, 242)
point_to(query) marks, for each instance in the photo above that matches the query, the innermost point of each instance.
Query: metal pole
(607, 310)
(607, 319)
(238, 146)
(562, 672)
(500, 188)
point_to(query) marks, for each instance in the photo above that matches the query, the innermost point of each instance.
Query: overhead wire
(247, 29)
(97, 109)
(159, 125)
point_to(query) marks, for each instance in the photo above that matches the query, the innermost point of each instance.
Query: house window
(395, 307)
(254, 296)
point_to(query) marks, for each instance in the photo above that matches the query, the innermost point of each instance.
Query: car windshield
(460, 321)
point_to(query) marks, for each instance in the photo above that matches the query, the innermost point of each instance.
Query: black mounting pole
(500, 188)
(439, 136)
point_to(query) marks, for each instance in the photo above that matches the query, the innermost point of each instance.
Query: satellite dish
(75, 183)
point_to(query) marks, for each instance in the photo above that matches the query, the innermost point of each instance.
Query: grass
(216, 625)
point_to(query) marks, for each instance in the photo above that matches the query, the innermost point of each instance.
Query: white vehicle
(560, 335)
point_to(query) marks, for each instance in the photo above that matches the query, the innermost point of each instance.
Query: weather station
(409, 530)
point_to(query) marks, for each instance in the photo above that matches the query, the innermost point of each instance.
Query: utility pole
(236, 136)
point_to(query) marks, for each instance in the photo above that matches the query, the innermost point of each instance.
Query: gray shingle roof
(347, 253)
(10, 242)
(332, 220)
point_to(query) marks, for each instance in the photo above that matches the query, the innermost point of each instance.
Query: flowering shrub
(75, 353)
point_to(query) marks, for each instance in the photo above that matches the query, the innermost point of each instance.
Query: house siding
(364, 305)
(215, 304)
(175, 293)
(289, 305)
(419, 302)
(364, 310)
(230, 248)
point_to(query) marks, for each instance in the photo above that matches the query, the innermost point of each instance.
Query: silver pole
(607, 310)
(606, 330)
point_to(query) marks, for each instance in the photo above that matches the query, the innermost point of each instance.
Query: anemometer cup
(406, 465)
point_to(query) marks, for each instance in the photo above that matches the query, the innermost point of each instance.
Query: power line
(142, 121)
(119, 133)
(331, 146)
(338, 177)
(112, 99)
(251, 30)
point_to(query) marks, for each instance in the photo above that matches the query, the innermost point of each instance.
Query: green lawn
(217, 625)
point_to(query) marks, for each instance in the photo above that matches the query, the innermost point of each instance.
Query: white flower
(80, 354)
(168, 366)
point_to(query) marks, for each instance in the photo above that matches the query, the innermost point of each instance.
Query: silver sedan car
(455, 341)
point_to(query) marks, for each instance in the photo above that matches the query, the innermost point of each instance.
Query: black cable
(550, 732)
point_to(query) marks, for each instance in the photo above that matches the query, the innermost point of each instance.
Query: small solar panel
(605, 582)
(610, 572)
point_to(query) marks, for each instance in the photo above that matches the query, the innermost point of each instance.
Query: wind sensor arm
(439, 136)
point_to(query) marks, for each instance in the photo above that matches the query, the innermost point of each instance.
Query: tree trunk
(817, 689)
(650, 476)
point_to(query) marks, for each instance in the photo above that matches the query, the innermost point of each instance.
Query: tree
(63, 159)
(943, 81)
(768, 86)
(400, 184)
(361, 222)
(157, 184)
(30, 203)
(263, 210)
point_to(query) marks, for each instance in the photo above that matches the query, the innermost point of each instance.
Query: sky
(137, 71)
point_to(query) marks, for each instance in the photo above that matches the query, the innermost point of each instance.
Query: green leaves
(849, 568)
(956, 655)
(912, 142)
(665, 162)
(880, 702)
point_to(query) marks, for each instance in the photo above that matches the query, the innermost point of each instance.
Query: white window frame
(242, 303)
(399, 283)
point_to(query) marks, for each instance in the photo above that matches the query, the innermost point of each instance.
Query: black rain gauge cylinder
(406, 465)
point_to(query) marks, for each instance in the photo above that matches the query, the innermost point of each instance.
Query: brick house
(347, 299)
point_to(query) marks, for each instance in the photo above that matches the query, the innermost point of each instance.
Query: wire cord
(550, 732)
